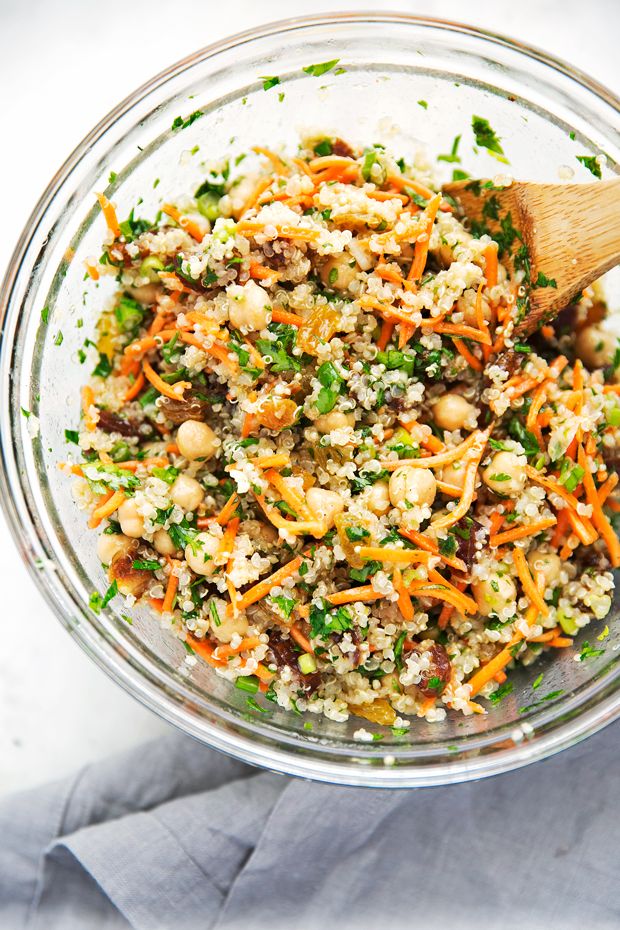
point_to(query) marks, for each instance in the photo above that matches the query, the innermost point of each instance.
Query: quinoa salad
(312, 446)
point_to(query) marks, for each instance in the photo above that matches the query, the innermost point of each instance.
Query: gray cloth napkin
(174, 836)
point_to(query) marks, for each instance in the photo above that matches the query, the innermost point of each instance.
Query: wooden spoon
(564, 236)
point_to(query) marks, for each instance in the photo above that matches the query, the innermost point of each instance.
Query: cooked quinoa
(311, 445)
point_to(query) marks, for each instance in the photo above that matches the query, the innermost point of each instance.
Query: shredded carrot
(439, 593)
(496, 521)
(532, 422)
(106, 506)
(405, 604)
(289, 495)
(551, 485)
(109, 214)
(561, 528)
(295, 527)
(171, 589)
(420, 249)
(548, 333)
(520, 532)
(260, 590)
(469, 357)
(468, 603)
(387, 329)
(227, 541)
(260, 188)
(136, 387)
(490, 264)
(250, 425)
(88, 401)
(448, 609)
(423, 435)
(467, 332)
(300, 639)
(283, 316)
(495, 665)
(599, 519)
(442, 458)
(261, 272)
(92, 270)
(395, 556)
(246, 644)
(271, 461)
(469, 481)
(582, 528)
(185, 222)
(174, 391)
(228, 509)
(529, 588)
(560, 642)
(364, 592)
(419, 539)
(605, 489)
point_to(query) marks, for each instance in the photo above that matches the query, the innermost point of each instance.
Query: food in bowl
(310, 443)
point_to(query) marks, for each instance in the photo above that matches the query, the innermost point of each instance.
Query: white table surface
(63, 65)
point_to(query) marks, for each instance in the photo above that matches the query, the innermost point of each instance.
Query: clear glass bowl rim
(603, 703)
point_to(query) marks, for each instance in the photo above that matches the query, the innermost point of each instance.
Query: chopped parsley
(356, 533)
(453, 156)
(269, 81)
(146, 565)
(323, 621)
(538, 682)
(503, 691)
(591, 163)
(180, 123)
(286, 604)
(331, 385)
(363, 574)
(487, 138)
(587, 652)
(322, 68)
(103, 367)
(423, 104)
(72, 435)
(548, 697)
(168, 474)
(543, 281)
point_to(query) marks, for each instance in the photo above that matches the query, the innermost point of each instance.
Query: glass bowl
(405, 81)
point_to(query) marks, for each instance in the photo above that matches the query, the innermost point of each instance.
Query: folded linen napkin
(175, 836)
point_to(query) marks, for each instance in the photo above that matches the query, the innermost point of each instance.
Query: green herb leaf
(286, 604)
(591, 163)
(543, 281)
(486, 137)
(587, 652)
(180, 123)
(321, 68)
(72, 435)
(269, 81)
(146, 565)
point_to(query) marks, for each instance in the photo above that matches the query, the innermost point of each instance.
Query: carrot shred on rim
(109, 214)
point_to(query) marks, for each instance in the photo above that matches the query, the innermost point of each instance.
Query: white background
(63, 65)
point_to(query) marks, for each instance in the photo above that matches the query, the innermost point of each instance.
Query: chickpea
(229, 626)
(378, 498)
(147, 294)
(200, 554)
(325, 504)
(454, 474)
(248, 306)
(336, 419)
(186, 493)
(110, 545)
(196, 440)
(504, 474)
(163, 544)
(595, 346)
(492, 595)
(338, 272)
(452, 411)
(413, 486)
(132, 522)
(546, 563)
